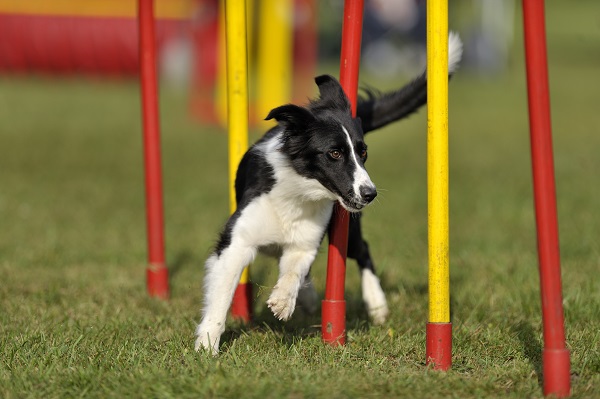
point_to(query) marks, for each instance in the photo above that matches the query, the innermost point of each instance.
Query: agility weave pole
(157, 278)
(439, 328)
(275, 69)
(333, 309)
(555, 356)
(236, 37)
(281, 76)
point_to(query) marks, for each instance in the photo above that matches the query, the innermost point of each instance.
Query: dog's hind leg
(372, 293)
(223, 272)
(293, 268)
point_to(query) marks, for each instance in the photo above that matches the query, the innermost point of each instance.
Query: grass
(75, 320)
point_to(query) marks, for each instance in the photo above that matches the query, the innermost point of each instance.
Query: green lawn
(75, 320)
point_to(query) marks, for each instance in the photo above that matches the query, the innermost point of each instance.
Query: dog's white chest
(269, 220)
(305, 224)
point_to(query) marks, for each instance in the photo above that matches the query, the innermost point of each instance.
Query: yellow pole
(237, 92)
(221, 81)
(437, 160)
(275, 53)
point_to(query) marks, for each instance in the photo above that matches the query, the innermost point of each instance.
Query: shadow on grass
(301, 325)
(420, 292)
(532, 347)
(182, 259)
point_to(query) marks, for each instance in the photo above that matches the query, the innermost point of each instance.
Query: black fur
(329, 111)
(286, 186)
(303, 144)
(254, 177)
(304, 140)
(379, 109)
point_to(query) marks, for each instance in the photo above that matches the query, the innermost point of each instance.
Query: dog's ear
(331, 91)
(291, 115)
(296, 121)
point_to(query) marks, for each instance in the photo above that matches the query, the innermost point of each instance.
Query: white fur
(374, 297)
(361, 177)
(273, 218)
(293, 215)
(372, 294)
(455, 49)
(222, 274)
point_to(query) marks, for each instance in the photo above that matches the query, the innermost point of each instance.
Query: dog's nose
(368, 193)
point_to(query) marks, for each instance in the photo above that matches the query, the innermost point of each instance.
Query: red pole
(556, 367)
(333, 311)
(156, 273)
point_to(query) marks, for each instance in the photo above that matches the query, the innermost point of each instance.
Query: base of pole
(557, 372)
(241, 307)
(439, 346)
(333, 322)
(157, 281)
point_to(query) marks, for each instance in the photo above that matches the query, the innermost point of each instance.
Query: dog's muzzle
(367, 193)
(355, 203)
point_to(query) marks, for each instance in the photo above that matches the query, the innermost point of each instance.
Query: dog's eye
(335, 154)
(363, 155)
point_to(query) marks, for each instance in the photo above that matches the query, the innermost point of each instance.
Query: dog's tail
(378, 109)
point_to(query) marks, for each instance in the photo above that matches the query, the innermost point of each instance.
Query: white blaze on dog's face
(363, 188)
(323, 142)
(340, 167)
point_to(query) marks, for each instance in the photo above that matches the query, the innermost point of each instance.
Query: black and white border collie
(286, 186)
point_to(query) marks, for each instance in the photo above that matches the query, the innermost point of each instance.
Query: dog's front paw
(207, 341)
(282, 303)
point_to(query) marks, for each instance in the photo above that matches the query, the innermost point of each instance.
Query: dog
(286, 186)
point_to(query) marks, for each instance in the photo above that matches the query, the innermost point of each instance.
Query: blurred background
(70, 123)
(73, 249)
(71, 177)
(290, 40)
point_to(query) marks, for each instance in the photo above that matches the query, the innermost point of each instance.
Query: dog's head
(325, 143)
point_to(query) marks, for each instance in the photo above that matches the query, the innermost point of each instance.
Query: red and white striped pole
(556, 364)
(333, 310)
(157, 279)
